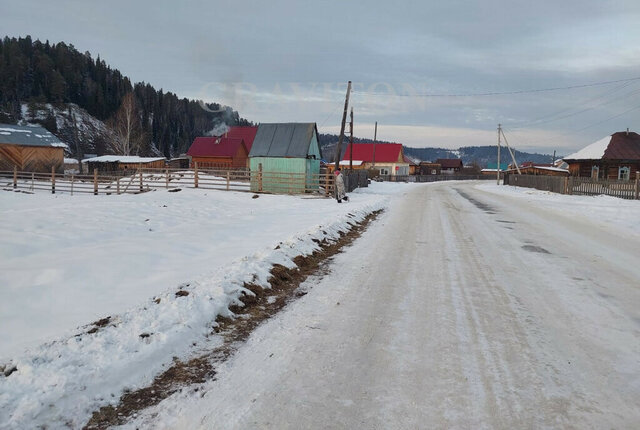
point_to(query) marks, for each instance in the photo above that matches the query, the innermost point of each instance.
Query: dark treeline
(37, 72)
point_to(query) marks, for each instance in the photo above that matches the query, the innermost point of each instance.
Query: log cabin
(28, 148)
(388, 158)
(615, 157)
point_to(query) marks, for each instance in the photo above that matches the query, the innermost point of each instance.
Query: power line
(502, 93)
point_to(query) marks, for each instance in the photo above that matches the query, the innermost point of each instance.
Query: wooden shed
(30, 149)
(285, 152)
(123, 163)
(615, 157)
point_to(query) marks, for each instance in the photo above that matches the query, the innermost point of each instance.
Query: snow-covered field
(67, 261)
(611, 212)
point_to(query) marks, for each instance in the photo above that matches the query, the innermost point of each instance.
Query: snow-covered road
(459, 308)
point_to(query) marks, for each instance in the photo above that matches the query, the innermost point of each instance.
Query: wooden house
(450, 166)
(427, 168)
(615, 157)
(285, 152)
(538, 169)
(246, 133)
(30, 149)
(218, 152)
(414, 164)
(122, 163)
(388, 158)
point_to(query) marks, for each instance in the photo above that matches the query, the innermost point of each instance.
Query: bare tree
(128, 134)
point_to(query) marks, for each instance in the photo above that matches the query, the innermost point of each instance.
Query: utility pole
(75, 140)
(498, 166)
(375, 135)
(513, 157)
(553, 161)
(351, 141)
(344, 120)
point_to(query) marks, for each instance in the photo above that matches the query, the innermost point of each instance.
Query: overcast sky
(289, 61)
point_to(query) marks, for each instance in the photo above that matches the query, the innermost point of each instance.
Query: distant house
(30, 149)
(386, 157)
(428, 168)
(414, 164)
(531, 168)
(614, 157)
(492, 169)
(246, 133)
(450, 166)
(122, 163)
(288, 155)
(218, 152)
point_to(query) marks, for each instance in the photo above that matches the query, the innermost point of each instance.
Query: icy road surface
(459, 308)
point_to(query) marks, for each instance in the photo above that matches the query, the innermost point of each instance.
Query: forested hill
(481, 155)
(35, 73)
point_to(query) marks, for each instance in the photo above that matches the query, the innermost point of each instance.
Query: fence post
(53, 180)
(566, 185)
(637, 185)
(228, 179)
(260, 177)
(15, 176)
(570, 185)
(166, 173)
(95, 181)
(72, 184)
(140, 170)
(326, 183)
(195, 174)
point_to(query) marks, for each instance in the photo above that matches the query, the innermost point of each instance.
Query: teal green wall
(285, 166)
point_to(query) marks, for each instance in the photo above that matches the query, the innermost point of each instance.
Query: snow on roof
(554, 169)
(70, 161)
(28, 136)
(355, 162)
(121, 159)
(595, 151)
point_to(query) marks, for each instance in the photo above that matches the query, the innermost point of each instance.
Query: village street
(458, 308)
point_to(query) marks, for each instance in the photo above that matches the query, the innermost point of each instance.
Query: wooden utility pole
(498, 166)
(513, 157)
(351, 141)
(344, 120)
(375, 135)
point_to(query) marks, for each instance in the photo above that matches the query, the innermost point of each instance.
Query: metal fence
(576, 185)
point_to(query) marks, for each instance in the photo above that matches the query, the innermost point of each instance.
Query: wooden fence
(576, 185)
(433, 178)
(144, 180)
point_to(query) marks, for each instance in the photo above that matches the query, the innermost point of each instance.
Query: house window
(384, 171)
(595, 172)
(623, 173)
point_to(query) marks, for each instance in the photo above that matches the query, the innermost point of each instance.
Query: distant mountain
(480, 155)
(53, 77)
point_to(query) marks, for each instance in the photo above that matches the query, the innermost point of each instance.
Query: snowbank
(614, 212)
(69, 260)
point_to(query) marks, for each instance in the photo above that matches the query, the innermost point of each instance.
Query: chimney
(225, 133)
(627, 131)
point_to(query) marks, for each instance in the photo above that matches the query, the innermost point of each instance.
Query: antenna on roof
(627, 131)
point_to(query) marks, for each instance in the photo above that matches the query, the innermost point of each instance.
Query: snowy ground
(606, 211)
(464, 306)
(66, 261)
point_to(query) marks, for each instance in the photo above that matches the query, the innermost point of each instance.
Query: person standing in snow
(339, 182)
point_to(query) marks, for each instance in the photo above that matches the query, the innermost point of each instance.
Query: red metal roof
(623, 146)
(215, 147)
(385, 152)
(246, 133)
(449, 163)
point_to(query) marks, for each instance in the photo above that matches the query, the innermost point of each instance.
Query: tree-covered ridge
(37, 72)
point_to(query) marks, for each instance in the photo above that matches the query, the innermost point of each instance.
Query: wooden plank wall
(31, 158)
